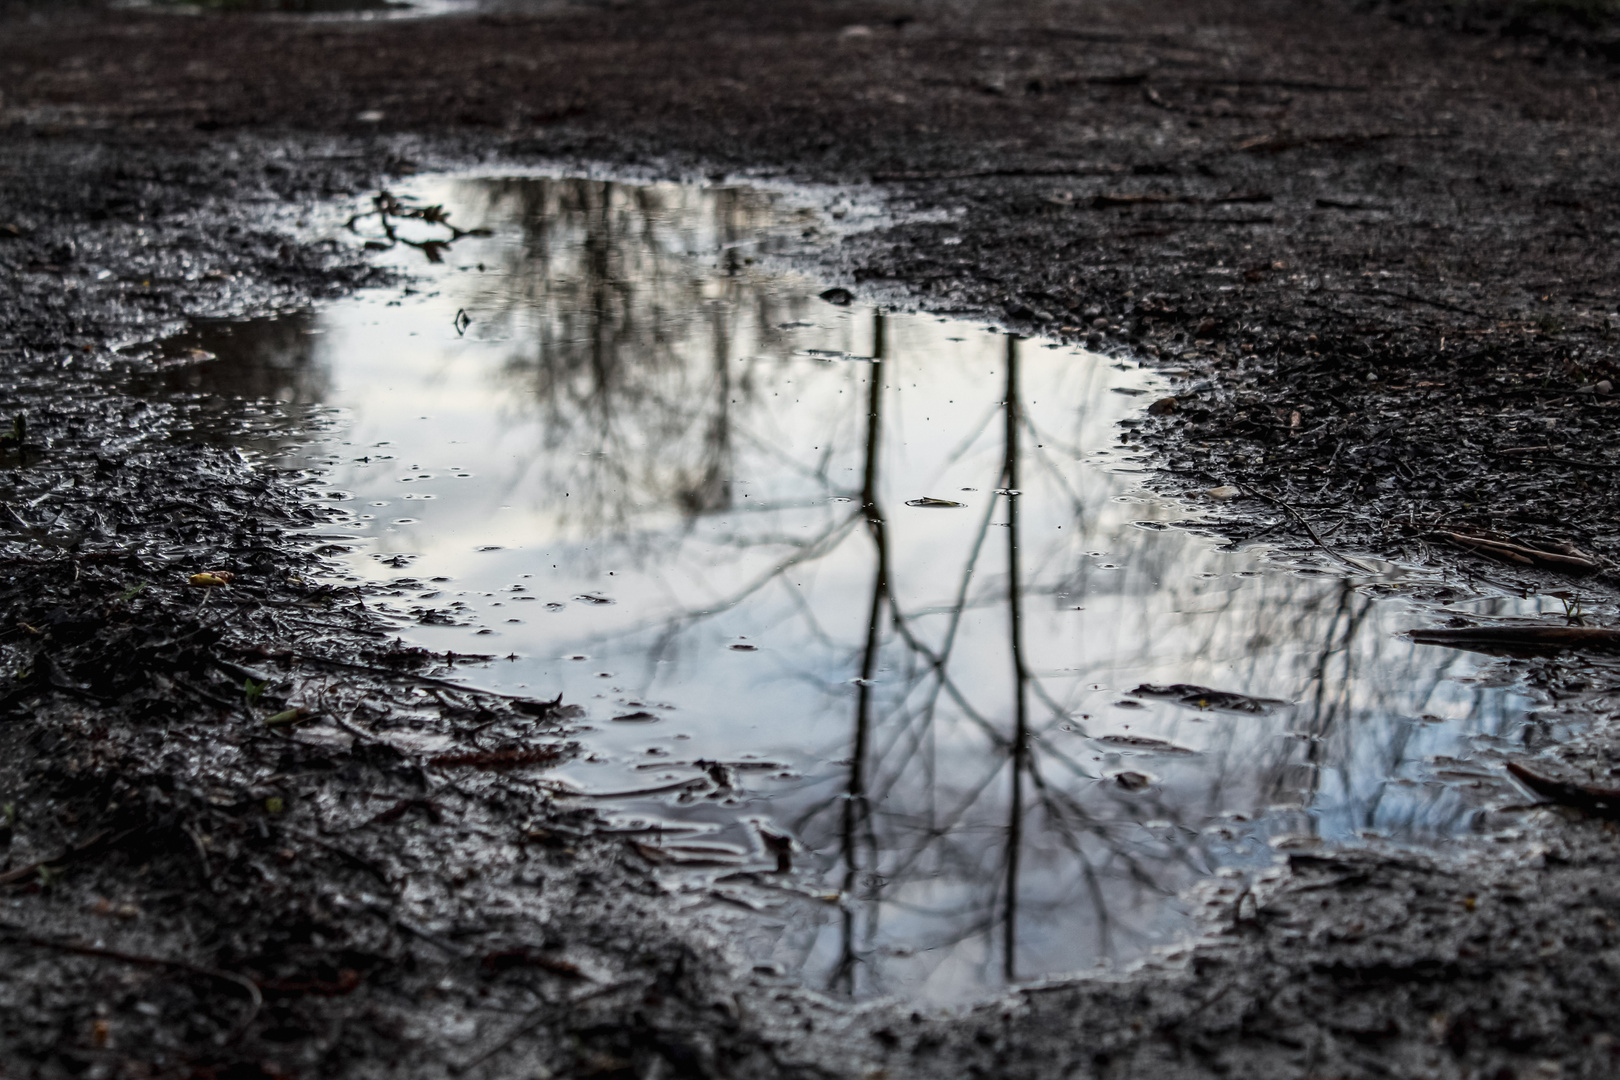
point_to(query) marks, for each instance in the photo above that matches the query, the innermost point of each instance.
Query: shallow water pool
(873, 596)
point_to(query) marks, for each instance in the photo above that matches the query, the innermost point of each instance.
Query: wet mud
(249, 833)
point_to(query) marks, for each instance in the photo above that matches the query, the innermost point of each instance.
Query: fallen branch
(1600, 801)
(1564, 557)
(1522, 638)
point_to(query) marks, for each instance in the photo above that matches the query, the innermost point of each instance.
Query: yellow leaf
(290, 716)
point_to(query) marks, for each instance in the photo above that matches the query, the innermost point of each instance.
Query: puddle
(863, 593)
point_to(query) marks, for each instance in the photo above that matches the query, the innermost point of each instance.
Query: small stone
(1223, 493)
(1163, 407)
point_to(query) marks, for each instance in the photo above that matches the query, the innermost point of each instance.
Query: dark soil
(1375, 240)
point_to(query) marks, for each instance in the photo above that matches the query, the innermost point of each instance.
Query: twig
(679, 785)
(97, 841)
(980, 174)
(426, 680)
(1413, 298)
(342, 853)
(338, 626)
(242, 982)
(208, 695)
(527, 1024)
(1345, 559)
(1554, 459)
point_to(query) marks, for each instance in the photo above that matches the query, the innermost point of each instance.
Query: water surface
(878, 588)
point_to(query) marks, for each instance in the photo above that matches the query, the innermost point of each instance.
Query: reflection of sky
(637, 412)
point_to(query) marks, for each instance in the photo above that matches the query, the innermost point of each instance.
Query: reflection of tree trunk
(599, 247)
(1327, 704)
(1015, 603)
(606, 288)
(855, 806)
(711, 493)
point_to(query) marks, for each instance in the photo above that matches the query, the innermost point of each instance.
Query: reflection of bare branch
(388, 209)
(945, 804)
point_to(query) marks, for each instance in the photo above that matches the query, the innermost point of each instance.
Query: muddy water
(878, 589)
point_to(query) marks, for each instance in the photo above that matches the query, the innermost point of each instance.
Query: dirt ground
(1373, 240)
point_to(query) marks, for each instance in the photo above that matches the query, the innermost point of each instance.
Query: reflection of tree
(856, 816)
(624, 339)
(979, 828)
(969, 812)
(885, 846)
(1019, 750)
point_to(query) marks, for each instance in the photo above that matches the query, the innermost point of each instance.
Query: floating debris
(1145, 743)
(835, 354)
(1131, 780)
(1204, 699)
